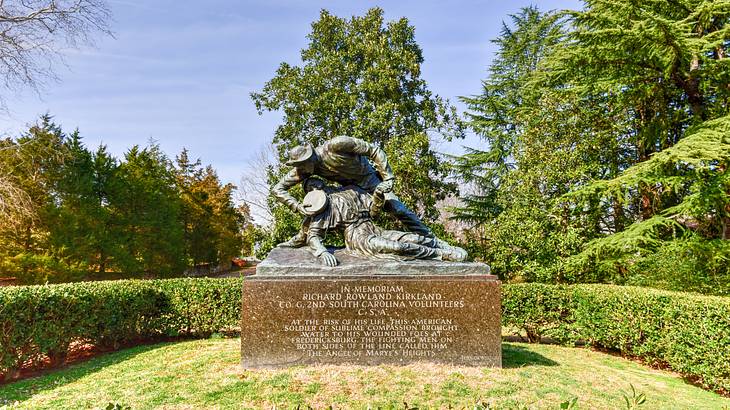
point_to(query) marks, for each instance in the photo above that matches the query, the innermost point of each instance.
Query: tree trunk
(646, 209)
(645, 202)
(725, 219)
(618, 215)
(691, 87)
(102, 262)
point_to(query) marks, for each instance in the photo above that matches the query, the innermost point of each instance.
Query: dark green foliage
(689, 333)
(516, 179)
(199, 306)
(695, 226)
(39, 322)
(536, 310)
(607, 145)
(686, 263)
(495, 113)
(150, 210)
(89, 214)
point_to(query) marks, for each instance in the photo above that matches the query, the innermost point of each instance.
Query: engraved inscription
(376, 330)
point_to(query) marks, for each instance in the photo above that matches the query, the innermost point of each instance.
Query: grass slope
(206, 374)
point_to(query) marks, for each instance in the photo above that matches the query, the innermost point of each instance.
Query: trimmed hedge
(38, 323)
(199, 306)
(689, 333)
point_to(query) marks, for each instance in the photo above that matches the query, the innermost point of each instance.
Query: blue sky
(180, 72)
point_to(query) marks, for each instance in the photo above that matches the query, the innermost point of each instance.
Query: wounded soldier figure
(348, 208)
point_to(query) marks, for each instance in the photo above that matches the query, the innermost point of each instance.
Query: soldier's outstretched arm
(319, 250)
(280, 191)
(376, 155)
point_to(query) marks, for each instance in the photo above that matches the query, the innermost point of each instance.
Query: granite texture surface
(371, 320)
(300, 262)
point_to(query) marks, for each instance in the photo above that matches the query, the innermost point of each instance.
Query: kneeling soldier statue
(346, 161)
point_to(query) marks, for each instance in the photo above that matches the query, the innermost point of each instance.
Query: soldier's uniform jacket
(348, 209)
(344, 160)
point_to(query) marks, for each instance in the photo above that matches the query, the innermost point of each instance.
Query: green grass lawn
(206, 374)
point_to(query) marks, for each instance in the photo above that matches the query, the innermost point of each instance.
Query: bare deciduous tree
(33, 34)
(15, 205)
(253, 189)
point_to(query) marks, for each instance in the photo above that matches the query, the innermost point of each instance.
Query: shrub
(537, 310)
(199, 306)
(687, 264)
(30, 268)
(689, 333)
(40, 322)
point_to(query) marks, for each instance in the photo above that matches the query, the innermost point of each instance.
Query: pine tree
(609, 157)
(524, 167)
(665, 67)
(148, 208)
(213, 224)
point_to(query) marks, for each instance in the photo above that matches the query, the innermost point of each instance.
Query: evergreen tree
(613, 161)
(194, 215)
(85, 229)
(531, 157)
(665, 66)
(148, 208)
(34, 161)
(213, 225)
(93, 216)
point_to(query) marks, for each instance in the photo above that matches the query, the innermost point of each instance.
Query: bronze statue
(347, 161)
(366, 181)
(348, 209)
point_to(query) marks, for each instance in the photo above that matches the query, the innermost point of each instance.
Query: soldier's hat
(315, 202)
(300, 154)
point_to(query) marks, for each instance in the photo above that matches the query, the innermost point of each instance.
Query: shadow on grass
(518, 356)
(27, 388)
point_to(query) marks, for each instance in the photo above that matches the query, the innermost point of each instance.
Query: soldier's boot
(450, 252)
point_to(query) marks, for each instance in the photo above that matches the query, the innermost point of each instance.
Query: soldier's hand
(328, 259)
(296, 241)
(385, 186)
(301, 209)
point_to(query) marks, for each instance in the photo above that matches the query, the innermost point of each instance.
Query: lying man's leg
(381, 245)
(407, 217)
(447, 252)
(410, 237)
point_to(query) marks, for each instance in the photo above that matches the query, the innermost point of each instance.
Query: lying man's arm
(314, 240)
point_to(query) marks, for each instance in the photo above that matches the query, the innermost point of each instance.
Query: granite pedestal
(364, 311)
